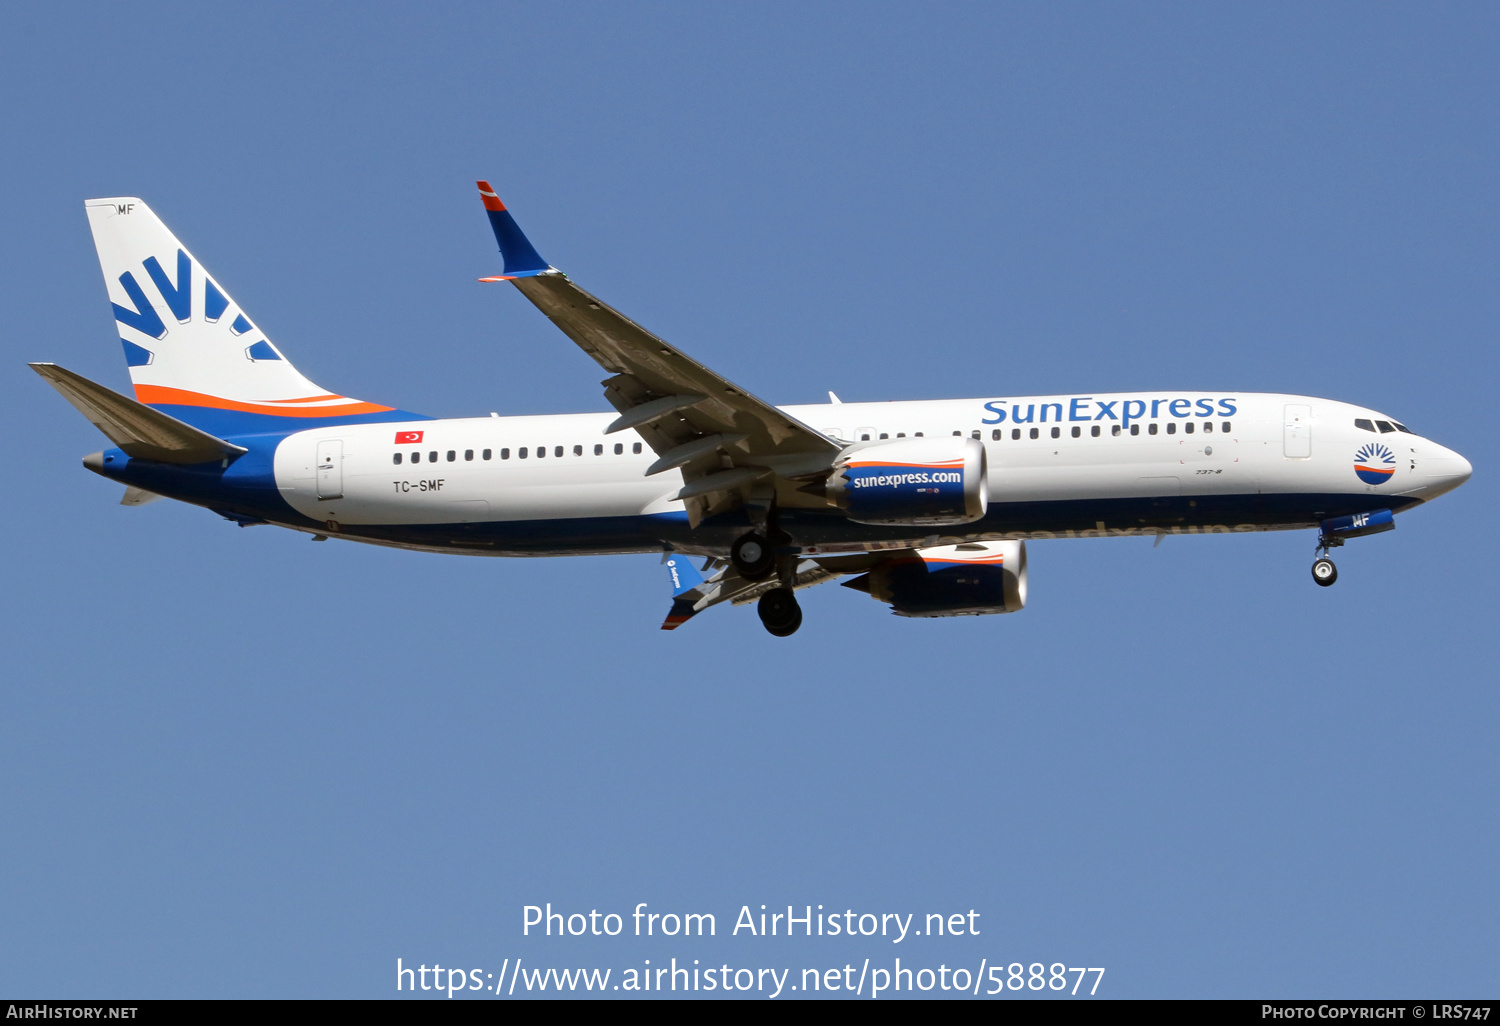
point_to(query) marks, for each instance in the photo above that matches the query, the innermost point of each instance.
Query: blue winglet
(684, 577)
(685, 580)
(681, 612)
(521, 258)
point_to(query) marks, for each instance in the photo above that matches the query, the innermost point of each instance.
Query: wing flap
(621, 346)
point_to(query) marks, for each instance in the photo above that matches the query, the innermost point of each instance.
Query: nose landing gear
(1323, 570)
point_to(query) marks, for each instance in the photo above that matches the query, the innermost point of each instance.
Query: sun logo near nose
(1374, 463)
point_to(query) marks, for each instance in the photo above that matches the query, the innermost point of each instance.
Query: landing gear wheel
(752, 557)
(780, 612)
(1324, 572)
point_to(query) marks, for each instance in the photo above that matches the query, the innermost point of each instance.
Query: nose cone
(1445, 471)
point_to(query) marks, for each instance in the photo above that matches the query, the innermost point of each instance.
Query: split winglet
(521, 258)
(686, 582)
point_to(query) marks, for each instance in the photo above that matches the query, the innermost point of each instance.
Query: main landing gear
(1323, 570)
(753, 556)
(780, 612)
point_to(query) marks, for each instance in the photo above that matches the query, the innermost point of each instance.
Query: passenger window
(1187, 428)
(1171, 428)
(1208, 427)
(541, 452)
(902, 434)
(1151, 428)
(487, 454)
(1135, 429)
(636, 448)
(504, 454)
(1385, 427)
(521, 453)
(598, 450)
(884, 435)
(1056, 432)
(1114, 429)
(432, 457)
(862, 438)
(1364, 424)
(1094, 430)
(452, 455)
(577, 450)
(1224, 427)
(619, 448)
(1015, 433)
(996, 434)
(396, 458)
(974, 435)
(1035, 433)
(468, 454)
(918, 435)
(558, 451)
(1077, 431)
(958, 434)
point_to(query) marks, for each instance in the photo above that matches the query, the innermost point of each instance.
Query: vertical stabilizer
(188, 345)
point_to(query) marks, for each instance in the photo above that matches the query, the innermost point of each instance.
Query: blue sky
(237, 764)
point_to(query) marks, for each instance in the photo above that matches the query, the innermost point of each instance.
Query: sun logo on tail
(1374, 463)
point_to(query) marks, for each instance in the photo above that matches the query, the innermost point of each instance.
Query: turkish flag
(408, 437)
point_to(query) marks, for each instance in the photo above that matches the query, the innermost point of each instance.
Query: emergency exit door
(330, 470)
(1296, 433)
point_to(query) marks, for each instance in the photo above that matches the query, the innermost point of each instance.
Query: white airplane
(924, 505)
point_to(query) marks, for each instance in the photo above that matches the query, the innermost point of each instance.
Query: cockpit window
(1385, 427)
(1365, 425)
(1403, 427)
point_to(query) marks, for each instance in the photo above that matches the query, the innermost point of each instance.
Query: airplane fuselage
(1059, 467)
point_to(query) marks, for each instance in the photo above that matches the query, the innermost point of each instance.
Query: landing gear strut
(1323, 570)
(754, 558)
(780, 612)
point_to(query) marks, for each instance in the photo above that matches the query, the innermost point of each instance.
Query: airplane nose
(1463, 468)
(1446, 470)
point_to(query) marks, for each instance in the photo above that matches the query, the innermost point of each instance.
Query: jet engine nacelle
(951, 580)
(937, 481)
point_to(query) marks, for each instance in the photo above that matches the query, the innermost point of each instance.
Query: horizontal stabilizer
(142, 432)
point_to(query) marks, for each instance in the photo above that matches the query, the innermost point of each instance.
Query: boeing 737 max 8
(924, 505)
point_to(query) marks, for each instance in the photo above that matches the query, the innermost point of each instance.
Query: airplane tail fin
(189, 347)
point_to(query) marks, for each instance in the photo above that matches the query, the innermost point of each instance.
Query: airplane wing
(692, 594)
(731, 447)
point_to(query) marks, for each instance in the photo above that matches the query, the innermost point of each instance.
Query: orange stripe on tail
(160, 395)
